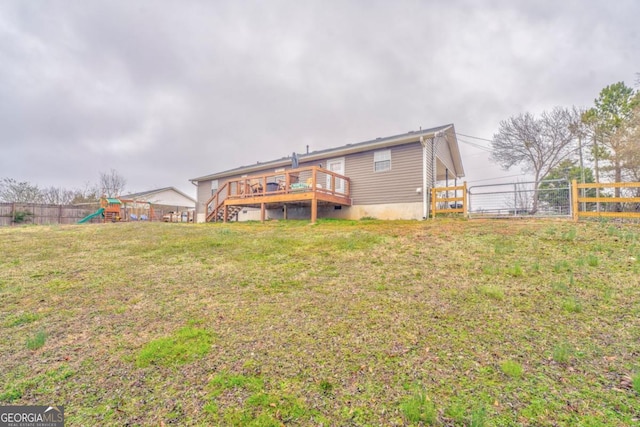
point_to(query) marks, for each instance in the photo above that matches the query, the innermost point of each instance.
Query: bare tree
(112, 184)
(57, 196)
(88, 194)
(536, 144)
(19, 192)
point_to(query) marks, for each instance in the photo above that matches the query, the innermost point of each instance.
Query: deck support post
(314, 210)
(225, 213)
(285, 211)
(262, 213)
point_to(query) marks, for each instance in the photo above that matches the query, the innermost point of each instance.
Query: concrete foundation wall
(382, 211)
(386, 211)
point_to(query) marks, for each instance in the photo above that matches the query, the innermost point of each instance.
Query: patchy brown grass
(339, 323)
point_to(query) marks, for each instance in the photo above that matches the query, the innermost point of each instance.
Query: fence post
(575, 206)
(465, 212)
(433, 202)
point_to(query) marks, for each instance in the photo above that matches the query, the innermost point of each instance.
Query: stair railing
(214, 205)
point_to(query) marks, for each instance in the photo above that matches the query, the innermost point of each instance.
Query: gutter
(328, 153)
(426, 192)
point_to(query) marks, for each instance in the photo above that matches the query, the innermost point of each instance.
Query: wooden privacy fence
(34, 213)
(627, 205)
(443, 201)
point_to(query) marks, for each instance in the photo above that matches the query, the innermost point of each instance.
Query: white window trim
(279, 178)
(381, 156)
(339, 182)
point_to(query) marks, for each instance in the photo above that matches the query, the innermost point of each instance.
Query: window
(382, 161)
(279, 178)
(214, 187)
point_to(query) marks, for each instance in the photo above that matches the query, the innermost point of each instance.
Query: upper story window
(382, 160)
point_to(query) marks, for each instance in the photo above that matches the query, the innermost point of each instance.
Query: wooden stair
(218, 213)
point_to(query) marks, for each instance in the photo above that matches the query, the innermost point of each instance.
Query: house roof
(413, 136)
(153, 192)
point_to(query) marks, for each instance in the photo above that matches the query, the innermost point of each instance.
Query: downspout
(425, 201)
(199, 205)
(434, 166)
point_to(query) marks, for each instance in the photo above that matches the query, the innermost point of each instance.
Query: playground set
(115, 210)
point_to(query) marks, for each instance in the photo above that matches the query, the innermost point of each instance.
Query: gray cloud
(163, 91)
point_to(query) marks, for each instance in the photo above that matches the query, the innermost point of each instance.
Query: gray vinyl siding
(252, 173)
(204, 192)
(397, 185)
(204, 187)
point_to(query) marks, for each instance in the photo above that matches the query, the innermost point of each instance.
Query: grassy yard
(447, 322)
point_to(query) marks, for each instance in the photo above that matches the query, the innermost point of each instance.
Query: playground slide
(93, 215)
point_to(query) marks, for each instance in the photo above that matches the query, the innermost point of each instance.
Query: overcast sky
(163, 91)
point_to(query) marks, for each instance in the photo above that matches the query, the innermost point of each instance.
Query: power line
(480, 153)
(499, 177)
(473, 144)
(474, 137)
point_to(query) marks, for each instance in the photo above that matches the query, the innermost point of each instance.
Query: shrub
(20, 217)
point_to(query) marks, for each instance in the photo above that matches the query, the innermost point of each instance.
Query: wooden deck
(303, 186)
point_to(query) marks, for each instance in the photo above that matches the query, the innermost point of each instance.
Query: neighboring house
(168, 197)
(385, 178)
